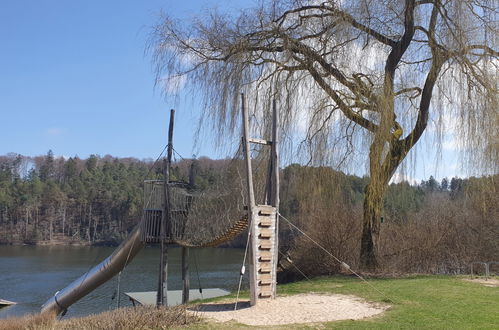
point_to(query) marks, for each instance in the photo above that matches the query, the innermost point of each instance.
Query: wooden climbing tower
(263, 219)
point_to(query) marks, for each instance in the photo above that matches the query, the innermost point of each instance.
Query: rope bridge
(197, 219)
(231, 233)
(209, 216)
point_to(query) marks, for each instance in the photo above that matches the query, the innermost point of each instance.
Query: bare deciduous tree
(378, 69)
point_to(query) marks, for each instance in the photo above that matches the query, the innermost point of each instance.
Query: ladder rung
(265, 233)
(264, 282)
(265, 268)
(265, 256)
(265, 245)
(265, 209)
(265, 221)
(265, 294)
(264, 277)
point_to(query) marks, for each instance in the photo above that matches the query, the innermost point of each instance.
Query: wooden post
(161, 299)
(275, 188)
(185, 275)
(247, 154)
(251, 201)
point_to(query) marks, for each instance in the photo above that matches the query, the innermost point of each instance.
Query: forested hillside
(89, 200)
(48, 200)
(434, 227)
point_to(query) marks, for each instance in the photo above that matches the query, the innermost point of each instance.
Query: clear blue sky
(74, 78)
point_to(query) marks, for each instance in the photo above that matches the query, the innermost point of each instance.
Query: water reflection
(29, 275)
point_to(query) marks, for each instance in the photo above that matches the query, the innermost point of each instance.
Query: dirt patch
(491, 282)
(303, 308)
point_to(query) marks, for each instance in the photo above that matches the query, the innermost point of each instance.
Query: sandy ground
(303, 308)
(491, 282)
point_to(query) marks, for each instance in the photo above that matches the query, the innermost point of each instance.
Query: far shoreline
(60, 243)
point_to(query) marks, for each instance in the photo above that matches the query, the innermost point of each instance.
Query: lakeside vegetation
(432, 227)
(143, 317)
(416, 302)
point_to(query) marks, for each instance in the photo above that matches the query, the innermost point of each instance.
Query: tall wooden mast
(161, 298)
(263, 219)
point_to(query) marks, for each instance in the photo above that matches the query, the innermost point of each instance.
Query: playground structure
(171, 215)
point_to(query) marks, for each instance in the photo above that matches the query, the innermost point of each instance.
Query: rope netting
(206, 215)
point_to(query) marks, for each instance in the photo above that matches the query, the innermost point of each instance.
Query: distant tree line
(96, 200)
(429, 227)
(78, 200)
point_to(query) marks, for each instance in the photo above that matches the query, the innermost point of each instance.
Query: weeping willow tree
(359, 77)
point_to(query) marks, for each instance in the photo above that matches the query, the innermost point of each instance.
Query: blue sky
(74, 78)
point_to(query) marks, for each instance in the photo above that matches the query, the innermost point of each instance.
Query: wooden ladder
(264, 226)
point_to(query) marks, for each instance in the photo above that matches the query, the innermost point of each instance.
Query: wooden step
(265, 256)
(266, 210)
(265, 233)
(264, 279)
(265, 293)
(265, 221)
(265, 268)
(265, 244)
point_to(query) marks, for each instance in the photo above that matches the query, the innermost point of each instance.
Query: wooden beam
(251, 204)
(260, 141)
(161, 299)
(185, 275)
(274, 154)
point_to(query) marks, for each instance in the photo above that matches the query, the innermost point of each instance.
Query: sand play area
(491, 282)
(302, 308)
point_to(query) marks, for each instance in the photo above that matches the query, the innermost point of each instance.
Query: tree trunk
(94, 234)
(373, 205)
(51, 225)
(63, 220)
(381, 170)
(26, 223)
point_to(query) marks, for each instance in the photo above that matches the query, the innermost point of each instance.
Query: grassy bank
(417, 302)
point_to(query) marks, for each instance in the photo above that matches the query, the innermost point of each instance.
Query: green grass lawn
(418, 302)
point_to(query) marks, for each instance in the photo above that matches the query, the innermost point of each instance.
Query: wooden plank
(260, 141)
(266, 233)
(265, 281)
(266, 210)
(265, 245)
(265, 293)
(265, 256)
(265, 268)
(264, 278)
(264, 221)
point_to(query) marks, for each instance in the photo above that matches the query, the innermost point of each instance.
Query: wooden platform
(174, 297)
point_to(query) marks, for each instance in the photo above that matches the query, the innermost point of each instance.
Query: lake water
(30, 275)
